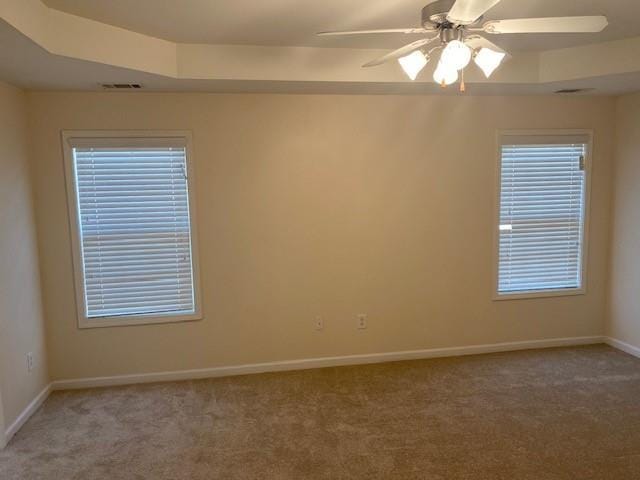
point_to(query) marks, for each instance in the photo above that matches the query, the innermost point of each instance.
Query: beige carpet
(571, 413)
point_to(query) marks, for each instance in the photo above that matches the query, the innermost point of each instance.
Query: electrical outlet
(362, 321)
(29, 361)
(319, 324)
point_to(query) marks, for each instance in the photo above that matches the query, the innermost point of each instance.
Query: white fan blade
(477, 42)
(368, 32)
(401, 52)
(465, 12)
(548, 25)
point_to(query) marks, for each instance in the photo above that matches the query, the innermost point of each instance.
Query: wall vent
(121, 86)
(574, 90)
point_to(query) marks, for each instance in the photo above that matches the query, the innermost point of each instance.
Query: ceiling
(28, 65)
(294, 22)
(271, 46)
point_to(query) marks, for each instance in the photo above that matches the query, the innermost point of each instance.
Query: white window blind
(542, 208)
(135, 235)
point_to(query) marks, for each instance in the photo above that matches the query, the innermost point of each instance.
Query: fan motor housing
(434, 15)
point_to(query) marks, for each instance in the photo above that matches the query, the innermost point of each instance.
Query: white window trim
(500, 136)
(76, 241)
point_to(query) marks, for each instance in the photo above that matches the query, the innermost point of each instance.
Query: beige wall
(624, 299)
(3, 438)
(323, 205)
(21, 320)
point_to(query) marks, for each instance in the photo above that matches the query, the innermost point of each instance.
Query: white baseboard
(625, 347)
(304, 364)
(27, 412)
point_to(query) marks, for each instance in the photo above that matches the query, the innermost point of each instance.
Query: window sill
(126, 321)
(539, 294)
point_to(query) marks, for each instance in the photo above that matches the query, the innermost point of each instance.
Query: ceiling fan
(451, 26)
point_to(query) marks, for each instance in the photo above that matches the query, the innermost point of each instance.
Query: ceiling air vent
(121, 86)
(574, 90)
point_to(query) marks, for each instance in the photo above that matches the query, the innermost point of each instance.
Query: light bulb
(456, 55)
(488, 60)
(413, 63)
(444, 74)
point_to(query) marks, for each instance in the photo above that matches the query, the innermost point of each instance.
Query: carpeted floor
(569, 413)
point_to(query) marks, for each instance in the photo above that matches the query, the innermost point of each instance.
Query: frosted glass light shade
(488, 60)
(413, 63)
(456, 55)
(444, 74)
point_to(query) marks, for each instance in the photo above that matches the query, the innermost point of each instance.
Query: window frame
(75, 227)
(503, 135)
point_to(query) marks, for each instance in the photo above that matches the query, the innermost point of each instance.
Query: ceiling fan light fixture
(413, 63)
(456, 55)
(445, 74)
(453, 24)
(488, 60)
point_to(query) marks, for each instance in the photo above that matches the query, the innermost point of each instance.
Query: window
(542, 211)
(131, 206)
